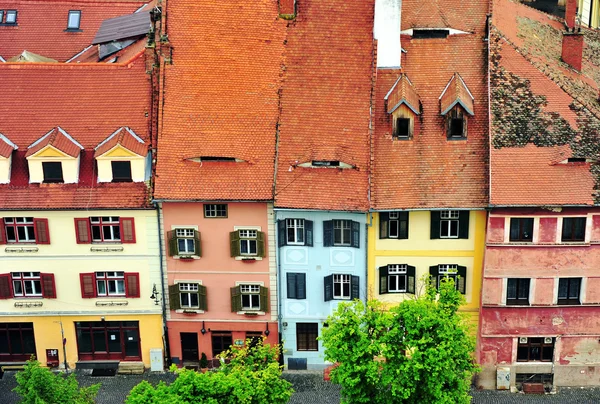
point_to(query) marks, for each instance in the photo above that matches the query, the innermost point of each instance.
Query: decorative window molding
(448, 224)
(188, 297)
(250, 297)
(105, 230)
(110, 284)
(341, 233)
(393, 225)
(341, 287)
(397, 278)
(247, 243)
(27, 285)
(456, 272)
(184, 242)
(24, 230)
(295, 231)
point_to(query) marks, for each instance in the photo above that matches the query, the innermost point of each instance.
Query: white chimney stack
(387, 32)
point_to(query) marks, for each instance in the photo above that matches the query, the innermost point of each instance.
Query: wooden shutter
(403, 232)
(202, 301)
(462, 279)
(88, 285)
(264, 299)
(434, 271)
(2, 231)
(383, 280)
(197, 244)
(291, 286)
(174, 301)
(301, 286)
(260, 244)
(384, 218)
(308, 233)
(42, 233)
(127, 230)
(328, 287)
(355, 234)
(463, 224)
(234, 242)
(435, 225)
(236, 299)
(48, 286)
(411, 279)
(132, 284)
(354, 287)
(328, 233)
(83, 232)
(172, 243)
(5, 286)
(281, 233)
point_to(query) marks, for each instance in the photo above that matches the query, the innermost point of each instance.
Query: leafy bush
(38, 385)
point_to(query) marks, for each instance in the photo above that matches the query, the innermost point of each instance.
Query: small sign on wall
(239, 342)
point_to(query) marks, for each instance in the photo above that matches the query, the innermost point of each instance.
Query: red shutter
(42, 233)
(48, 286)
(83, 231)
(2, 231)
(127, 230)
(5, 286)
(132, 284)
(88, 285)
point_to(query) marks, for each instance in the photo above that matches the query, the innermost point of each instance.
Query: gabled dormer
(403, 106)
(121, 157)
(456, 102)
(54, 158)
(6, 149)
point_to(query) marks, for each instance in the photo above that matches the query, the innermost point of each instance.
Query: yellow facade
(422, 252)
(585, 9)
(66, 260)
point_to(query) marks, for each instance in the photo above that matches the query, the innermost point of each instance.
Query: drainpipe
(162, 286)
(279, 305)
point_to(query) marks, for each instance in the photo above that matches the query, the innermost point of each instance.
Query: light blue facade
(318, 263)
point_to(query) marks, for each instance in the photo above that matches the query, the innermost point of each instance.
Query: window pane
(514, 229)
(579, 232)
(73, 20)
(15, 342)
(252, 246)
(99, 340)
(337, 236)
(454, 228)
(300, 235)
(574, 287)
(511, 290)
(547, 353)
(563, 288)
(535, 353)
(523, 292)
(444, 228)
(101, 285)
(11, 235)
(393, 228)
(185, 299)
(402, 282)
(290, 234)
(194, 299)
(393, 282)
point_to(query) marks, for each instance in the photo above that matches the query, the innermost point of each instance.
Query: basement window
(430, 33)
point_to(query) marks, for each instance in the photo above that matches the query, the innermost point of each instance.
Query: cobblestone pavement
(310, 388)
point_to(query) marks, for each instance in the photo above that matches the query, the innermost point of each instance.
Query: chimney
(287, 9)
(571, 14)
(572, 49)
(387, 32)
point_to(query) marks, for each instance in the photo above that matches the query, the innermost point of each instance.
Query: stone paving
(310, 388)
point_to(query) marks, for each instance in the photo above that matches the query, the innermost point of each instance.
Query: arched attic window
(403, 105)
(456, 103)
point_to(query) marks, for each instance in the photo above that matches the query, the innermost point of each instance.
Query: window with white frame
(397, 281)
(106, 228)
(26, 284)
(341, 286)
(110, 283)
(250, 297)
(449, 224)
(248, 242)
(295, 231)
(185, 241)
(457, 273)
(188, 295)
(19, 229)
(342, 232)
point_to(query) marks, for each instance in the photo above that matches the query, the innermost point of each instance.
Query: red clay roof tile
(58, 139)
(403, 92)
(456, 93)
(6, 146)
(124, 137)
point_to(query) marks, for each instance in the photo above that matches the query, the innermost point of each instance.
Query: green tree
(38, 385)
(420, 351)
(248, 375)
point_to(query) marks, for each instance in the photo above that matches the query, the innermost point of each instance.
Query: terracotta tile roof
(124, 137)
(402, 92)
(58, 139)
(86, 101)
(41, 25)
(552, 100)
(456, 92)
(430, 171)
(221, 100)
(6, 146)
(325, 108)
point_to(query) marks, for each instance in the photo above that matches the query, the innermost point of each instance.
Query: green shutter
(410, 273)
(384, 218)
(202, 303)
(174, 300)
(172, 240)
(260, 244)
(383, 280)
(354, 287)
(291, 286)
(234, 240)
(463, 223)
(308, 233)
(236, 299)
(264, 299)
(197, 244)
(355, 227)
(281, 233)
(328, 288)
(462, 279)
(328, 233)
(435, 225)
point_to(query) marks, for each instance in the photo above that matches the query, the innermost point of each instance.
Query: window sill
(73, 30)
(186, 257)
(189, 311)
(31, 248)
(402, 139)
(251, 313)
(248, 258)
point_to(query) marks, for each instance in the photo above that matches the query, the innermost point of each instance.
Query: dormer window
(52, 171)
(325, 163)
(402, 130)
(11, 17)
(74, 20)
(430, 33)
(121, 171)
(456, 103)
(121, 157)
(403, 105)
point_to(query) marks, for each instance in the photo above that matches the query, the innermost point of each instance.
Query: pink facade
(540, 297)
(218, 272)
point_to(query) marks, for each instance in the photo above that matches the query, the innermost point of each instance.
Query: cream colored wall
(66, 260)
(138, 164)
(70, 167)
(5, 170)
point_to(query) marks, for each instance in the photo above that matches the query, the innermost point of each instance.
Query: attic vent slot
(325, 163)
(576, 160)
(213, 158)
(430, 33)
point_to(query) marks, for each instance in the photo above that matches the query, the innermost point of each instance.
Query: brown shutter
(202, 303)
(264, 299)
(172, 243)
(127, 230)
(234, 241)
(48, 286)
(197, 244)
(88, 285)
(5, 287)
(42, 234)
(174, 301)
(83, 231)
(260, 244)
(132, 284)
(236, 299)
